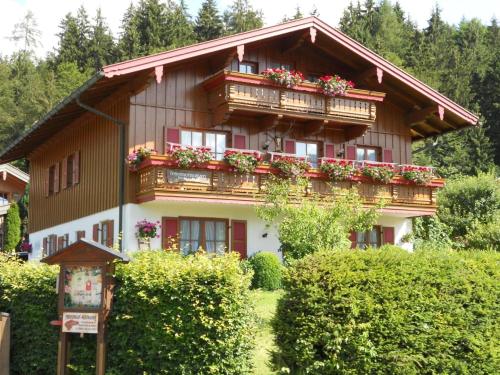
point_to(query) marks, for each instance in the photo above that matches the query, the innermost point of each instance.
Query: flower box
(378, 171)
(242, 161)
(284, 77)
(420, 175)
(338, 169)
(188, 156)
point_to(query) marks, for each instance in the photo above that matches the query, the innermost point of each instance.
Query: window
(69, 170)
(279, 65)
(308, 149)
(216, 141)
(369, 238)
(103, 233)
(367, 153)
(248, 67)
(313, 77)
(209, 234)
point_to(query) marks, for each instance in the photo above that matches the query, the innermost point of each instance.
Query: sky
(49, 13)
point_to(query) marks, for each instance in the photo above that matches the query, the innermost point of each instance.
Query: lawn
(265, 307)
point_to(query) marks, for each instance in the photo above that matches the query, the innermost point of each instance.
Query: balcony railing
(251, 93)
(160, 178)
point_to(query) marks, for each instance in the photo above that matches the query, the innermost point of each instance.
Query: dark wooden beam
(314, 127)
(369, 74)
(293, 43)
(221, 115)
(270, 122)
(420, 115)
(355, 131)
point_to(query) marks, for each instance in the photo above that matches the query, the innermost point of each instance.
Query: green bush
(484, 235)
(390, 312)
(171, 315)
(267, 270)
(12, 228)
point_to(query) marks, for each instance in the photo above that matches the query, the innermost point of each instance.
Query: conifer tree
(129, 42)
(102, 46)
(242, 17)
(151, 20)
(208, 23)
(178, 28)
(12, 228)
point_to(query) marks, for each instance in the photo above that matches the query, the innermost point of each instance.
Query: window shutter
(64, 173)
(352, 238)
(56, 178)
(239, 141)
(173, 135)
(45, 246)
(111, 227)
(170, 230)
(329, 151)
(46, 182)
(60, 243)
(388, 235)
(387, 155)
(239, 237)
(80, 234)
(350, 152)
(76, 168)
(289, 146)
(95, 232)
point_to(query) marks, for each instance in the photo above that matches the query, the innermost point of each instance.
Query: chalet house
(13, 183)
(214, 95)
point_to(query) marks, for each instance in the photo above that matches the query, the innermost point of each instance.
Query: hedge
(267, 270)
(390, 312)
(171, 315)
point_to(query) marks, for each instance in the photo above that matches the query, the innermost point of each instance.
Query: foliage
(290, 166)
(136, 157)
(417, 174)
(208, 24)
(147, 229)
(187, 157)
(466, 202)
(308, 224)
(283, 77)
(12, 228)
(379, 172)
(430, 231)
(484, 236)
(390, 312)
(338, 170)
(241, 16)
(242, 162)
(171, 314)
(334, 85)
(267, 270)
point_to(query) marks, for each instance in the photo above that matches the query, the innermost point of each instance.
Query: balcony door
(216, 141)
(308, 149)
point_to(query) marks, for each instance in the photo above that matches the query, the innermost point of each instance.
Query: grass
(265, 307)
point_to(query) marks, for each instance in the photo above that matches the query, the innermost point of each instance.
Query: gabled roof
(6, 169)
(115, 76)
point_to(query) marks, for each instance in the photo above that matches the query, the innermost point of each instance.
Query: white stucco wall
(154, 211)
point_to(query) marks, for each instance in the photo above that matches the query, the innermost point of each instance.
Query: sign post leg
(101, 350)
(62, 354)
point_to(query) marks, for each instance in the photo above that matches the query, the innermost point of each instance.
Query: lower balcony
(160, 178)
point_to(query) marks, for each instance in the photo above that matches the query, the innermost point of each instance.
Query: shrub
(484, 236)
(171, 315)
(12, 228)
(267, 271)
(390, 312)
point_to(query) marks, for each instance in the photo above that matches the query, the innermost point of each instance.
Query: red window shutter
(80, 234)
(350, 152)
(352, 238)
(95, 232)
(387, 155)
(170, 230)
(76, 168)
(46, 182)
(239, 237)
(111, 228)
(388, 235)
(289, 146)
(173, 135)
(239, 141)
(329, 150)
(64, 173)
(56, 178)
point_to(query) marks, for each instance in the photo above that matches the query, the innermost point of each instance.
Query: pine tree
(242, 17)
(27, 32)
(102, 46)
(151, 20)
(129, 43)
(208, 23)
(178, 28)
(297, 16)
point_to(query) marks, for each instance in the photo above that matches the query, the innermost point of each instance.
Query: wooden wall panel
(97, 141)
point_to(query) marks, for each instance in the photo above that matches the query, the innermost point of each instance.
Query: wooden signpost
(85, 288)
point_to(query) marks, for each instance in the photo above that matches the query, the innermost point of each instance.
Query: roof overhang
(9, 169)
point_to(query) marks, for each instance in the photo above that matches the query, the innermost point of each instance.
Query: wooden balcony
(233, 93)
(160, 178)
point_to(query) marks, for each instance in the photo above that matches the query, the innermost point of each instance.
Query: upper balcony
(232, 93)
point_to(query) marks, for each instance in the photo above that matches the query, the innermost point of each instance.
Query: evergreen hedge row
(171, 315)
(390, 312)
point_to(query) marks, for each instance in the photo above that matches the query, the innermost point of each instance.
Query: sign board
(83, 286)
(198, 177)
(80, 322)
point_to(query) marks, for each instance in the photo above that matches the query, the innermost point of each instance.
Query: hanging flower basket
(242, 162)
(187, 157)
(25, 247)
(136, 157)
(290, 166)
(334, 85)
(338, 170)
(284, 77)
(417, 174)
(145, 231)
(381, 172)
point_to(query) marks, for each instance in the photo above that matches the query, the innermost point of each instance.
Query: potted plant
(381, 172)
(334, 85)
(338, 170)
(290, 166)
(242, 162)
(187, 157)
(146, 230)
(417, 174)
(284, 77)
(136, 157)
(25, 247)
